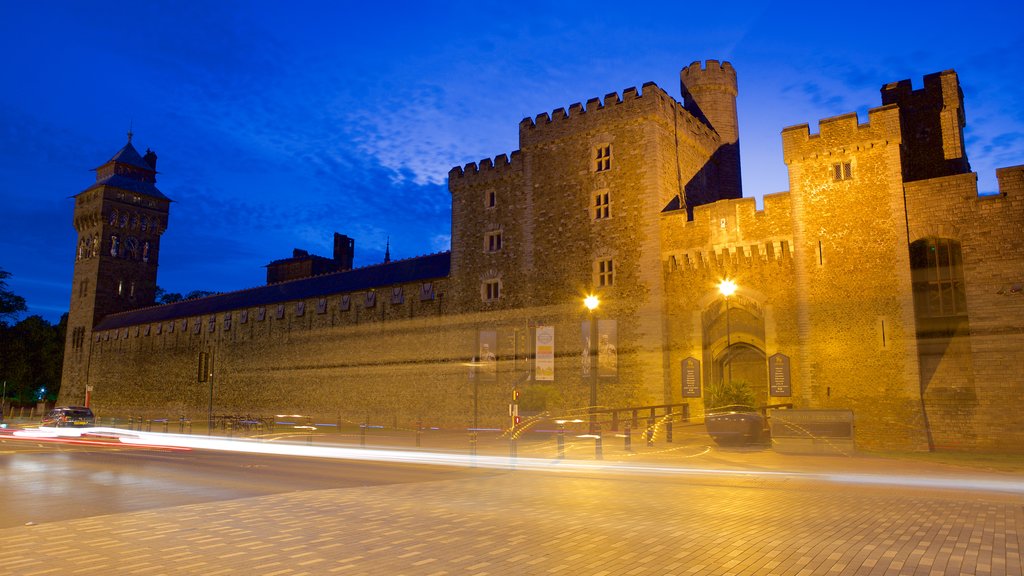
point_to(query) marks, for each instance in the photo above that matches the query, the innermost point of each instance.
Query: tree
(31, 358)
(165, 297)
(10, 303)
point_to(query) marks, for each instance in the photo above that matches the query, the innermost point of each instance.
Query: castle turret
(709, 93)
(932, 120)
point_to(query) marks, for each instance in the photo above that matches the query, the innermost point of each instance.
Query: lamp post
(727, 288)
(592, 302)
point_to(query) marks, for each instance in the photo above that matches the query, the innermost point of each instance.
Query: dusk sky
(279, 123)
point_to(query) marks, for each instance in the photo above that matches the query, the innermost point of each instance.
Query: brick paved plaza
(518, 521)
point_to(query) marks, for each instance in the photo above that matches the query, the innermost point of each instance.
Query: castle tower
(932, 120)
(709, 93)
(119, 220)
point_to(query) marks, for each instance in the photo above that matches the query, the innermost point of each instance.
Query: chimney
(344, 251)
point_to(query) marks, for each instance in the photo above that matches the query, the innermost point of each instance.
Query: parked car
(69, 416)
(736, 424)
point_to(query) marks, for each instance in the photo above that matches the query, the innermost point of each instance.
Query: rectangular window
(603, 158)
(602, 206)
(842, 171)
(493, 241)
(605, 272)
(491, 290)
(490, 199)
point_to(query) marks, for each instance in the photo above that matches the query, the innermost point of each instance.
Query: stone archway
(734, 333)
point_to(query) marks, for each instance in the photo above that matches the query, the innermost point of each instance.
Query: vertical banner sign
(487, 358)
(778, 375)
(585, 349)
(691, 378)
(544, 368)
(607, 349)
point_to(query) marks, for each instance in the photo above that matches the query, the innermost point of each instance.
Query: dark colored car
(737, 424)
(69, 416)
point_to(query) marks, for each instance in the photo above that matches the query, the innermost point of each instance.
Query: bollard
(513, 449)
(419, 432)
(472, 444)
(650, 432)
(561, 441)
(165, 426)
(629, 438)
(181, 424)
(362, 434)
(668, 431)
(598, 448)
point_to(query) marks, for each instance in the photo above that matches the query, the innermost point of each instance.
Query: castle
(881, 282)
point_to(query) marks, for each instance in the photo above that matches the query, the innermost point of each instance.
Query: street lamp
(727, 288)
(592, 302)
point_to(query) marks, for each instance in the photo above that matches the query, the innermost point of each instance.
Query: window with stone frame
(490, 199)
(605, 271)
(603, 158)
(492, 241)
(936, 268)
(490, 290)
(842, 171)
(602, 205)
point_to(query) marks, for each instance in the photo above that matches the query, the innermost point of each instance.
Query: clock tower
(119, 220)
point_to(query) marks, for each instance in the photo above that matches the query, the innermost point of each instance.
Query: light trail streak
(561, 466)
(249, 446)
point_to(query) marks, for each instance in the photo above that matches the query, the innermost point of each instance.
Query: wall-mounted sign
(544, 368)
(778, 376)
(691, 378)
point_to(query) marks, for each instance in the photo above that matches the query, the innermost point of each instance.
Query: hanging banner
(778, 376)
(544, 364)
(607, 348)
(488, 368)
(691, 378)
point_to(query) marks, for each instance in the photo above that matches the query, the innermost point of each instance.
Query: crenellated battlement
(500, 164)
(938, 87)
(651, 99)
(729, 257)
(729, 232)
(842, 133)
(711, 73)
(593, 105)
(1011, 181)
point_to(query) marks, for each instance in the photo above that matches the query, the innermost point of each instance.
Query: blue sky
(278, 123)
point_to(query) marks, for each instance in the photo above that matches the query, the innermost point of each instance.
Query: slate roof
(422, 268)
(130, 156)
(129, 184)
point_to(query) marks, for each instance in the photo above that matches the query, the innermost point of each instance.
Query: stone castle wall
(974, 378)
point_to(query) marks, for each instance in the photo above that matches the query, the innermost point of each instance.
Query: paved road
(51, 481)
(551, 520)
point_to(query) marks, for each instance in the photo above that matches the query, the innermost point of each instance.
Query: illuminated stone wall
(823, 270)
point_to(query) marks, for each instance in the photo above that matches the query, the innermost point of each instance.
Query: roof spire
(387, 251)
(131, 124)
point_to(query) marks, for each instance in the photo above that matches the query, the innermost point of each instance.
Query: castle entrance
(734, 329)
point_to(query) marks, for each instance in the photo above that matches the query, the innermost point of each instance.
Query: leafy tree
(10, 303)
(31, 358)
